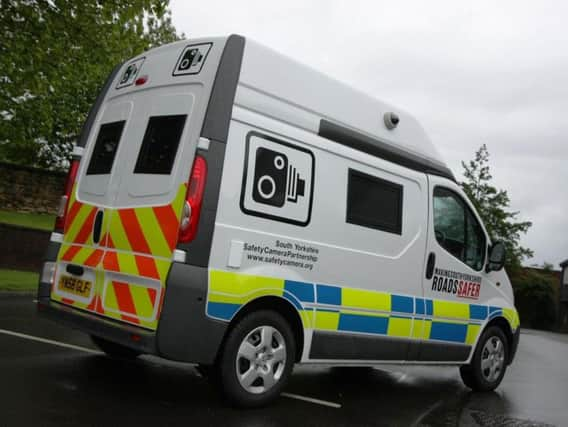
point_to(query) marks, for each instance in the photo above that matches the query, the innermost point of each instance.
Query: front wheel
(257, 359)
(489, 362)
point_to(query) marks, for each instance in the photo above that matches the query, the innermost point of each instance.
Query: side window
(565, 279)
(457, 230)
(160, 144)
(373, 202)
(105, 148)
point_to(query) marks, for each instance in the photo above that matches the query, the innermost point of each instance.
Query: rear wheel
(488, 365)
(114, 350)
(257, 359)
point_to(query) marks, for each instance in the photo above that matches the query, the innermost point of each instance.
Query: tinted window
(160, 145)
(373, 202)
(105, 148)
(457, 229)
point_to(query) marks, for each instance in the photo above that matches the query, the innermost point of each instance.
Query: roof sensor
(391, 120)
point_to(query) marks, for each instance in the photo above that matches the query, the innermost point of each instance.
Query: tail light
(64, 202)
(193, 200)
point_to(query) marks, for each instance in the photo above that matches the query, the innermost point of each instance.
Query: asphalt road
(45, 384)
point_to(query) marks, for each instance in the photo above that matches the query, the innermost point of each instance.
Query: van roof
(334, 109)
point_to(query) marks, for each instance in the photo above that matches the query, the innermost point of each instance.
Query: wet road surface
(45, 384)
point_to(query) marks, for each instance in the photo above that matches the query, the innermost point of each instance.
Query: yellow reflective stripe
(512, 317)
(80, 219)
(327, 320)
(399, 327)
(365, 299)
(153, 232)
(227, 299)
(456, 310)
(242, 284)
(142, 303)
(110, 302)
(127, 263)
(179, 199)
(117, 233)
(472, 333)
(82, 255)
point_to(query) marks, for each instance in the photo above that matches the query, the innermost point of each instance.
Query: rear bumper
(514, 344)
(129, 336)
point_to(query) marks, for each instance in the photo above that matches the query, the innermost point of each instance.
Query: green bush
(535, 299)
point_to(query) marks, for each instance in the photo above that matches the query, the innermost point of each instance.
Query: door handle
(430, 265)
(97, 227)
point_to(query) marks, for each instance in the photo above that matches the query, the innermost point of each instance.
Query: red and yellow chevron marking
(136, 242)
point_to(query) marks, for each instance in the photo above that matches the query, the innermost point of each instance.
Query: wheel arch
(281, 305)
(502, 323)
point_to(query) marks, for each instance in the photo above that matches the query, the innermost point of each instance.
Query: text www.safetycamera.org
(284, 254)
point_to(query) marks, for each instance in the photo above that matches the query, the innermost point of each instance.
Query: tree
(54, 58)
(493, 207)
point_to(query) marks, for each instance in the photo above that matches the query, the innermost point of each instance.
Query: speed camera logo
(192, 59)
(278, 180)
(129, 74)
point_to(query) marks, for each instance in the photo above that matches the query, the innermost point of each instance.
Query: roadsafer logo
(455, 283)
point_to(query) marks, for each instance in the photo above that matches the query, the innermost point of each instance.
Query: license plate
(75, 286)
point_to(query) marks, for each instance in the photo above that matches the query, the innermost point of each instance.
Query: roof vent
(391, 120)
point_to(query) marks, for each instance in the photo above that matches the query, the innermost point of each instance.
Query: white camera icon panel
(278, 180)
(130, 73)
(192, 59)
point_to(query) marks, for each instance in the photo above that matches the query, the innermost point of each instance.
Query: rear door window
(105, 149)
(160, 145)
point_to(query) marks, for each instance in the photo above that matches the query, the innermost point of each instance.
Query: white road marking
(426, 413)
(91, 351)
(52, 342)
(312, 400)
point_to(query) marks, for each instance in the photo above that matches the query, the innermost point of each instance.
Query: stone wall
(22, 248)
(27, 189)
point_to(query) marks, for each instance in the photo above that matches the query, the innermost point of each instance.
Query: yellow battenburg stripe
(512, 317)
(456, 310)
(365, 299)
(78, 222)
(399, 327)
(472, 333)
(242, 284)
(327, 320)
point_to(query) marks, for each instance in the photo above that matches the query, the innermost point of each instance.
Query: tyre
(489, 362)
(257, 359)
(114, 350)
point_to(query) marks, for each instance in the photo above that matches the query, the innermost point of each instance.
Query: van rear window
(160, 145)
(105, 148)
(373, 202)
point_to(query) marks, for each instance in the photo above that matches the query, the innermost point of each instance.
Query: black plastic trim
(184, 332)
(86, 130)
(93, 324)
(346, 346)
(378, 148)
(437, 351)
(220, 107)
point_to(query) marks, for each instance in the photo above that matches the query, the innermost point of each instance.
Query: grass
(30, 220)
(12, 280)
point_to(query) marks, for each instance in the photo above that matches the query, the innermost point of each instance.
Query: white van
(230, 207)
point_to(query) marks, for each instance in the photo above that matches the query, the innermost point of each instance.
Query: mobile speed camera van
(230, 207)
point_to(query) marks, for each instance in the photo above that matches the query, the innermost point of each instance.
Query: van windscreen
(105, 148)
(160, 145)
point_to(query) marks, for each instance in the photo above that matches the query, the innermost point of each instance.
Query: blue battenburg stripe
(429, 307)
(303, 291)
(368, 324)
(222, 310)
(495, 314)
(448, 332)
(402, 304)
(419, 306)
(329, 294)
(294, 301)
(493, 309)
(477, 312)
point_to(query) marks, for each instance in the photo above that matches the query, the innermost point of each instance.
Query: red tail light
(193, 200)
(64, 202)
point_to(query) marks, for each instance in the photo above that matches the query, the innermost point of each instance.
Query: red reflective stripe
(67, 301)
(93, 305)
(146, 266)
(124, 300)
(110, 261)
(87, 227)
(169, 224)
(70, 253)
(152, 295)
(133, 231)
(72, 214)
(94, 258)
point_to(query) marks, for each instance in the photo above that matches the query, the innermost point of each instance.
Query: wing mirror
(496, 257)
